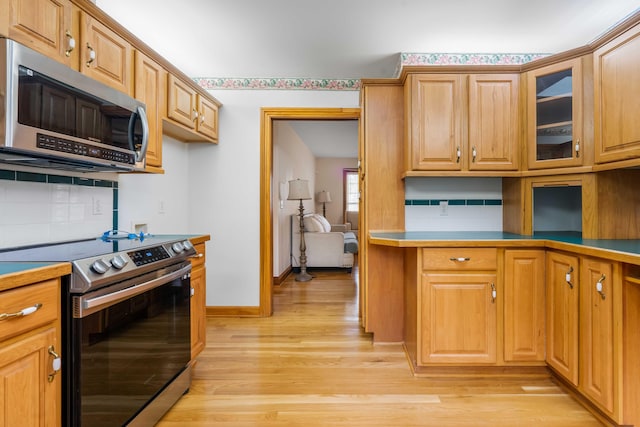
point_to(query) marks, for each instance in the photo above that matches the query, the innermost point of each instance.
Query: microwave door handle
(140, 155)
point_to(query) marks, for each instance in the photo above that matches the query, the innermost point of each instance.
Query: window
(351, 192)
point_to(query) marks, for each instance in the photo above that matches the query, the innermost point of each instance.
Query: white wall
(329, 178)
(226, 188)
(292, 159)
(160, 201)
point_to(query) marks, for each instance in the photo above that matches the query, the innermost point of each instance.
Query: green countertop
(630, 247)
(19, 267)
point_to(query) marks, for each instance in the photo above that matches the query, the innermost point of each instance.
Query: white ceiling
(347, 39)
(351, 39)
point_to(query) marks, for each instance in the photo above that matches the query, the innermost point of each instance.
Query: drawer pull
(24, 312)
(599, 286)
(460, 259)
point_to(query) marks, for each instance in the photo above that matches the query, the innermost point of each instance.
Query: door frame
(267, 117)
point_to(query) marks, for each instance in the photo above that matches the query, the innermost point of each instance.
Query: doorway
(268, 116)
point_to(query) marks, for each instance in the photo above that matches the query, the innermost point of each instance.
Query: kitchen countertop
(616, 249)
(15, 274)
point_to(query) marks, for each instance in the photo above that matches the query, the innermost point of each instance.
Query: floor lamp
(299, 190)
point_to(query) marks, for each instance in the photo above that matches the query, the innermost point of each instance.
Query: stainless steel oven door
(127, 343)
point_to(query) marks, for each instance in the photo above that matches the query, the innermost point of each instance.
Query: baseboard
(242, 311)
(278, 280)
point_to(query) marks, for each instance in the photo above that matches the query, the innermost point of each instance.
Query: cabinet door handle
(599, 286)
(92, 55)
(24, 312)
(474, 153)
(494, 293)
(55, 363)
(567, 277)
(460, 259)
(71, 43)
(194, 115)
(577, 147)
(202, 118)
(458, 154)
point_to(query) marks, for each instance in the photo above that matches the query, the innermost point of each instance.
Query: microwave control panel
(49, 142)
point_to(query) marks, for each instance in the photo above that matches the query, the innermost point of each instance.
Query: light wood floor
(312, 365)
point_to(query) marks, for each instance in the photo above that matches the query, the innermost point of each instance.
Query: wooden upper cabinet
(190, 115)
(435, 134)
(105, 56)
(207, 118)
(617, 98)
(493, 122)
(150, 88)
(554, 115)
(181, 102)
(43, 25)
(461, 122)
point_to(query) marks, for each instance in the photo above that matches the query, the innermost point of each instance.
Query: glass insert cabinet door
(555, 115)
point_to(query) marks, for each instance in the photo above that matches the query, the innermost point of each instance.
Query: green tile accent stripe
(31, 177)
(453, 202)
(10, 175)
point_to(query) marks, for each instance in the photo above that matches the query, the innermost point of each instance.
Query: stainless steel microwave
(55, 117)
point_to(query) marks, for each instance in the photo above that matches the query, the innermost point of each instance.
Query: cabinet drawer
(198, 260)
(459, 259)
(45, 293)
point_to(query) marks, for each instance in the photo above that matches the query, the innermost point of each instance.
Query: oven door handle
(91, 305)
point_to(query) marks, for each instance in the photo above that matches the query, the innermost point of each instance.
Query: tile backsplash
(42, 208)
(453, 204)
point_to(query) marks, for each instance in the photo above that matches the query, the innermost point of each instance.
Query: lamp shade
(298, 189)
(324, 197)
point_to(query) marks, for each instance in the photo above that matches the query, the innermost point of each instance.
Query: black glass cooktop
(80, 249)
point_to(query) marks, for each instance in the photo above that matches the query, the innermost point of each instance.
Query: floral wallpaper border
(405, 59)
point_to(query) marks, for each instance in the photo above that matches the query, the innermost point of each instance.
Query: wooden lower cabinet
(30, 388)
(524, 305)
(198, 302)
(600, 329)
(458, 318)
(563, 284)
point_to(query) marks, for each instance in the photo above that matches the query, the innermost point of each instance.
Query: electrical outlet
(161, 207)
(444, 208)
(96, 205)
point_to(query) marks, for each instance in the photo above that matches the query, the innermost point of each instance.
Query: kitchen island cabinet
(30, 343)
(592, 305)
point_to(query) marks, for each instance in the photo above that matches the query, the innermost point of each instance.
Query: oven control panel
(146, 256)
